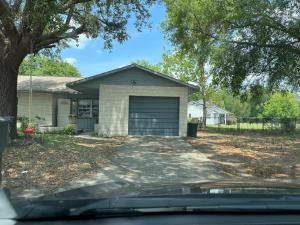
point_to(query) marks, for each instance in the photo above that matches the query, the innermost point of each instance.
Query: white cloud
(70, 60)
(82, 42)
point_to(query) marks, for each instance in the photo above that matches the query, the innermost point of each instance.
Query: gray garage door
(153, 116)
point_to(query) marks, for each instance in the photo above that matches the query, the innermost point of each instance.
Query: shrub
(24, 122)
(231, 120)
(282, 106)
(285, 107)
(69, 129)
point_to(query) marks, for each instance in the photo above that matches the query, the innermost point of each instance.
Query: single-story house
(215, 115)
(131, 100)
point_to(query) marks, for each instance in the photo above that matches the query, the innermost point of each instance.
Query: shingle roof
(133, 65)
(46, 83)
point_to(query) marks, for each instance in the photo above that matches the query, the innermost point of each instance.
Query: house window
(88, 108)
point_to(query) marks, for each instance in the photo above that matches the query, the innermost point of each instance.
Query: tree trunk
(204, 112)
(8, 92)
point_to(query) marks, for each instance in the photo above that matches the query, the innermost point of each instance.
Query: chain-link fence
(251, 123)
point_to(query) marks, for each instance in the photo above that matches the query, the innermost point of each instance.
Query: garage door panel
(154, 120)
(153, 116)
(150, 124)
(140, 99)
(167, 132)
(154, 110)
(147, 105)
(172, 116)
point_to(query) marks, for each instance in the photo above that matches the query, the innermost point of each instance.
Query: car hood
(257, 186)
(85, 195)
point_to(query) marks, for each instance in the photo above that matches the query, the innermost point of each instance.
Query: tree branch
(16, 5)
(26, 15)
(55, 37)
(276, 45)
(7, 19)
(69, 16)
(36, 50)
(71, 3)
(278, 26)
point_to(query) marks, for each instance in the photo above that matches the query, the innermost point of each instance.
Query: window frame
(91, 108)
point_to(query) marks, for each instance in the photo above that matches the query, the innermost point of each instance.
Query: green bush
(69, 129)
(285, 108)
(24, 122)
(282, 106)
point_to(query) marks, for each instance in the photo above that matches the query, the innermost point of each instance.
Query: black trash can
(192, 129)
(4, 129)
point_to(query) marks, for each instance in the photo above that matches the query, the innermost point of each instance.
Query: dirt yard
(253, 155)
(47, 165)
(44, 167)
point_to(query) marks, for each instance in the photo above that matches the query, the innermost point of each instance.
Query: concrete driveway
(153, 160)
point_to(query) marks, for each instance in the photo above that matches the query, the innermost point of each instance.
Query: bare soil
(54, 162)
(253, 155)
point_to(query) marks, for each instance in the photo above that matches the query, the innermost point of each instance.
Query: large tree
(180, 24)
(259, 45)
(187, 67)
(46, 66)
(255, 42)
(28, 26)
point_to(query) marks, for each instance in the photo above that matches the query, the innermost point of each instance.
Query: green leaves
(47, 24)
(156, 67)
(282, 105)
(248, 42)
(44, 66)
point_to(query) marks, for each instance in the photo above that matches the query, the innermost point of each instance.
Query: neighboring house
(215, 115)
(131, 100)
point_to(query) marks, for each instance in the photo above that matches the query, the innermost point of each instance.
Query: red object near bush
(29, 131)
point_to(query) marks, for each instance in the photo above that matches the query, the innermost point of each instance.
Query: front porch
(80, 110)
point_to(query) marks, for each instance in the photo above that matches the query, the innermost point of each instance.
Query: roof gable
(125, 75)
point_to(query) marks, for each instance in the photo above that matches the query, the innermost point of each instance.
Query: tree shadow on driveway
(154, 160)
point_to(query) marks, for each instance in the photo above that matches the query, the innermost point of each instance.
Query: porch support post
(55, 111)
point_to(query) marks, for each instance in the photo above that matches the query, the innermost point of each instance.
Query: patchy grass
(54, 162)
(251, 127)
(242, 126)
(255, 155)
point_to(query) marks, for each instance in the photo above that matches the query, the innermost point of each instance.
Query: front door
(63, 111)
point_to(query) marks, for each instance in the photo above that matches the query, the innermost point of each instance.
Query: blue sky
(90, 57)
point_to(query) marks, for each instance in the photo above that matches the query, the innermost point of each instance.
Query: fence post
(238, 123)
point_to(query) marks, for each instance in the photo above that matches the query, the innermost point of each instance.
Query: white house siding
(114, 106)
(41, 106)
(196, 111)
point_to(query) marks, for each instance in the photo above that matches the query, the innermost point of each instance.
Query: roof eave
(51, 91)
(192, 88)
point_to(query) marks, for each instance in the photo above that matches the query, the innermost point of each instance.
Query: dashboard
(176, 219)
